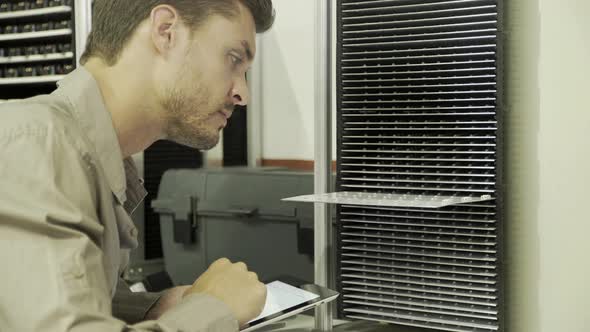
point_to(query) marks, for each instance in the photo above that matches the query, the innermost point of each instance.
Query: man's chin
(200, 143)
(208, 147)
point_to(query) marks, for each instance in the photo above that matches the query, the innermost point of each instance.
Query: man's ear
(165, 23)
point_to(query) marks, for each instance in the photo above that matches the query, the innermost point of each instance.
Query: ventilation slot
(417, 114)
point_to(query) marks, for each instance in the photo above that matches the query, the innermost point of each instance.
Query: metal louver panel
(418, 114)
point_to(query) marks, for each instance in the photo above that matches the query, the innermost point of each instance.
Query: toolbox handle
(241, 212)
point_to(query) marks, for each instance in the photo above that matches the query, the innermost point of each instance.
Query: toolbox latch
(184, 217)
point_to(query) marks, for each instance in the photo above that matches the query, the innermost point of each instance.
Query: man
(153, 69)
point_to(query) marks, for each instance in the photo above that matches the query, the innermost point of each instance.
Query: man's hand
(230, 283)
(235, 286)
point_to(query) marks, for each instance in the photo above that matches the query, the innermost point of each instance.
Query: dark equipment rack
(37, 46)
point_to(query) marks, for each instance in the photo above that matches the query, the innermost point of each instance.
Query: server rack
(419, 113)
(38, 44)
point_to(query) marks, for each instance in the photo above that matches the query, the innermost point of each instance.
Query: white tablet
(284, 300)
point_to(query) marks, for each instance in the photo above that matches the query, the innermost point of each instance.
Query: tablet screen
(284, 300)
(281, 296)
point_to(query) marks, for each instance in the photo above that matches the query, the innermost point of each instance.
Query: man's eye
(235, 60)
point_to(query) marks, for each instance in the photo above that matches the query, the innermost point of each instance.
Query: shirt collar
(83, 92)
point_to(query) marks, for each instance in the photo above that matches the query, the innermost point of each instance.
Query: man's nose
(240, 93)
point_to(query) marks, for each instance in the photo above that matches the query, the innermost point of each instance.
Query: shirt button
(78, 273)
(77, 269)
(133, 232)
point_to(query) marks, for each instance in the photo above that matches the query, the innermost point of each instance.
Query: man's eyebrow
(248, 50)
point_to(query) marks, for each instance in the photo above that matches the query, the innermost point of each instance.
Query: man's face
(210, 79)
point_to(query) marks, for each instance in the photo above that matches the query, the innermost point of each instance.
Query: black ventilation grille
(235, 138)
(417, 113)
(159, 158)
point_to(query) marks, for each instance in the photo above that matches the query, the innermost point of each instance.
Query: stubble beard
(186, 118)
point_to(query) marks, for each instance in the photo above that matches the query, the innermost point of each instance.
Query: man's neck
(127, 95)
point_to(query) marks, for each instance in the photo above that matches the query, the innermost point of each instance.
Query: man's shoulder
(40, 114)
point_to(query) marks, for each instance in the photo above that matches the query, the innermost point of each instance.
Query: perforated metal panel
(418, 114)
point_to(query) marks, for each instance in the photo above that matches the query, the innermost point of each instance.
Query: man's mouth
(226, 113)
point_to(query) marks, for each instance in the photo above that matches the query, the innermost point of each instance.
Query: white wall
(564, 153)
(282, 84)
(548, 147)
(287, 57)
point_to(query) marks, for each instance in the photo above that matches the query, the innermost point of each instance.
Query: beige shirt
(65, 231)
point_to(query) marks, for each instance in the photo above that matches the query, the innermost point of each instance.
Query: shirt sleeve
(132, 307)
(50, 245)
